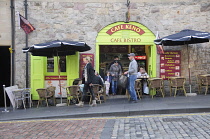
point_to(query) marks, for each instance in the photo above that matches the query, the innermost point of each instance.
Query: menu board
(170, 64)
(82, 64)
(54, 81)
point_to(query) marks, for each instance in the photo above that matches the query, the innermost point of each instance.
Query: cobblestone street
(177, 126)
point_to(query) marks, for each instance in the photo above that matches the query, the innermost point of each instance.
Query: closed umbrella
(57, 48)
(184, 37)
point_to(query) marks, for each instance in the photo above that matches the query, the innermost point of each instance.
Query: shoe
(93, 104)
(80, 104)
(134, 101)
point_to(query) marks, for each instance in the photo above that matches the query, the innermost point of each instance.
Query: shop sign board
(170, 64)
(140, 57)
(125, 27)
(54, 81)
(82, 64)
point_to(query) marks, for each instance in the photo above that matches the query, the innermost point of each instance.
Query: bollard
(5, 101)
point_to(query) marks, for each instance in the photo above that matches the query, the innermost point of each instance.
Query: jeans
(114, 87)
(131, 87)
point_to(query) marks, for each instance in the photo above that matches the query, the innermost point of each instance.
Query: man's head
(116, 62)
(131, 56)
(116, 58)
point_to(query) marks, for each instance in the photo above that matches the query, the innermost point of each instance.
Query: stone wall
(5, 23)
(83, 19)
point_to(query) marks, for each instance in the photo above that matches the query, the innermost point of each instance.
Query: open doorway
(5, 71)
(107, 53)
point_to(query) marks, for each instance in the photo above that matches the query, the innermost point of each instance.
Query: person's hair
(116, 57)
(89, 59)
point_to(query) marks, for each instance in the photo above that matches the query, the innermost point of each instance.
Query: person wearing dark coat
(116, 58)
(89, 76)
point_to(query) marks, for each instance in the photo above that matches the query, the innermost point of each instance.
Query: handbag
(123, 81)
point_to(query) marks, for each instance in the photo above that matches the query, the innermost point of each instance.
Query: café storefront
(119, 39)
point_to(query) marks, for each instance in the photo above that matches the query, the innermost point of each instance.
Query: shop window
(50, 64)
(62, 63)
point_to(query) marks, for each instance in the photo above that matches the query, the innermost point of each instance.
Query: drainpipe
(26, 16)
(12, 74)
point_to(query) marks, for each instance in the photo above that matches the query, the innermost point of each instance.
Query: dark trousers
(85, 90)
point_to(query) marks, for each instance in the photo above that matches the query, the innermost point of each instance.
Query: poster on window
(54, 81)
(170, 64)
(82, 64)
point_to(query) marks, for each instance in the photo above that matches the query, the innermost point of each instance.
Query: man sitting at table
(143, 74)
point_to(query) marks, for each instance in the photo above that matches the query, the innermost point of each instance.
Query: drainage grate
(176, 120)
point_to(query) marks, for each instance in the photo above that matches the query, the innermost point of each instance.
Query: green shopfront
(119, 39)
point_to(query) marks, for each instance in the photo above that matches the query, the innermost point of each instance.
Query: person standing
(116, 58)
(115, 71)
(89, 75)
(108, 80)
(132, 76)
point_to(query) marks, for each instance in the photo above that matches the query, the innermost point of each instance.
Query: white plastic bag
(146, 90)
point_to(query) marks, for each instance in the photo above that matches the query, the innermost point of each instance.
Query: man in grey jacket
(132, 76)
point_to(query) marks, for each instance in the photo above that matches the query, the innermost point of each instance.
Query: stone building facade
(83, 19)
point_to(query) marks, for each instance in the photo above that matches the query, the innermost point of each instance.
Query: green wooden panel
(72, 65)
(37, 75)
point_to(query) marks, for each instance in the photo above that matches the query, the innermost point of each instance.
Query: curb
(119, 114)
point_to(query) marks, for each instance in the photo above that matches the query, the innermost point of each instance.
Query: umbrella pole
(189, 67)
(59, 78)
(61, 104)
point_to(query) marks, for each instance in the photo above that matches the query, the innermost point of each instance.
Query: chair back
(42, 92)
(18, 94)
(96, 88)
(51, 90)
(72, 90)
(26, 93)
(156, 83)
(207, 80)
(198, 78)
(137, 84)
(180, 82)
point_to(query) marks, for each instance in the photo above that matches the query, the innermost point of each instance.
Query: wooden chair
(98, 91)
(157, 85)
(43, 95)
(205, 82)
(177, 83)
(138, 88)
(198, 79)
(73, 92)
(51, 92)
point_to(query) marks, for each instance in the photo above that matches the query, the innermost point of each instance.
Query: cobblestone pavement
(177, 126)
